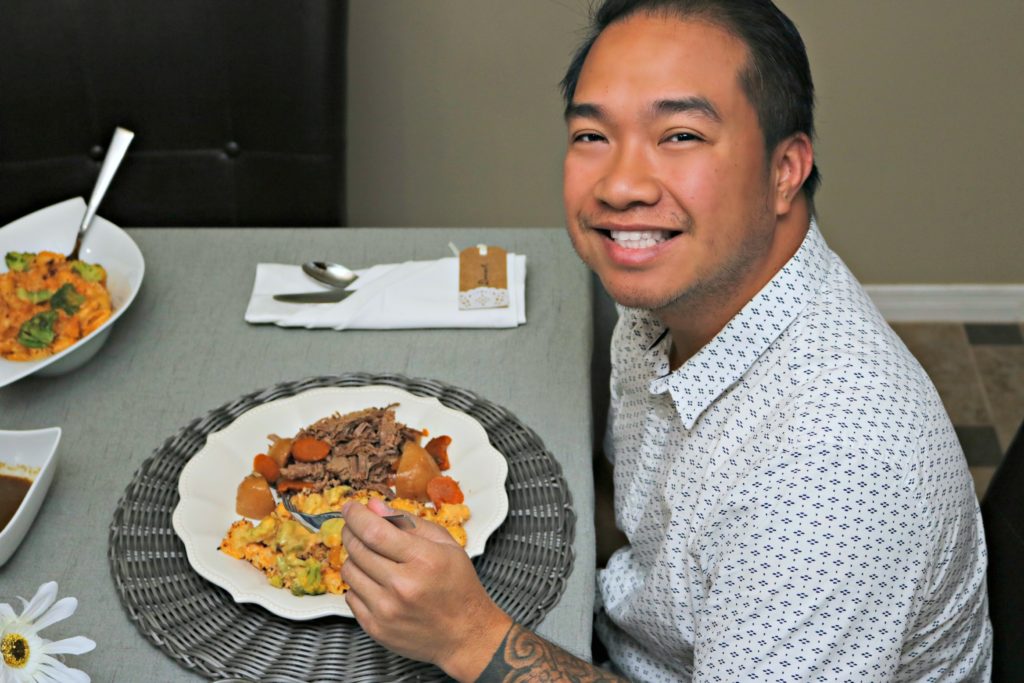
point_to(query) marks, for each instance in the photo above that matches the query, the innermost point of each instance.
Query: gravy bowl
(32, 455)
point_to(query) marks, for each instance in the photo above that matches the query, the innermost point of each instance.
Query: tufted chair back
(237, 105)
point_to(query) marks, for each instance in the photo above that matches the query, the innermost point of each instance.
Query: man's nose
(629, 180)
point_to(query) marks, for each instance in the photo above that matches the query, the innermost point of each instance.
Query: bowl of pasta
(56, 313)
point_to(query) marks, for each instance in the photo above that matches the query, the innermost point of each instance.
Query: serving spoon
(115, 154)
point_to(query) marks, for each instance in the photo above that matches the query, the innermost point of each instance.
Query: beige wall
(454, 119)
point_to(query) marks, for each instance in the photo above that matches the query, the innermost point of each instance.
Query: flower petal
(44, 597)
(56, 670)
(6, 613)
(70, 646)
(62, 609)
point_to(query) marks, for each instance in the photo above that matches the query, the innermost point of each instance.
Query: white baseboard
(949, 303)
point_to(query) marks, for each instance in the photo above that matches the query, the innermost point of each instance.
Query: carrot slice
(444, 489)
(310, 450)
(286, 485)
(263, 464)
(438, 447)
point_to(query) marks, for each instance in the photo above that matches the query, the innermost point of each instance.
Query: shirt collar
(721, 362)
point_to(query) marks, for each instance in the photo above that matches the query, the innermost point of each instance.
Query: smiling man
(796, 503)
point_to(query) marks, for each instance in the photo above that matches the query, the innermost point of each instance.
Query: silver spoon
(332, 274)
(115, 153)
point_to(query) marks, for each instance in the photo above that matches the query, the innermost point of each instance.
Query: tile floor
(978, 370)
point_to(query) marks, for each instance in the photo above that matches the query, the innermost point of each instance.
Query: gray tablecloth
(183, 349)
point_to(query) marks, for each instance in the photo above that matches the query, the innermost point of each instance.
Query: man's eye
(588, 137)
(682, 137)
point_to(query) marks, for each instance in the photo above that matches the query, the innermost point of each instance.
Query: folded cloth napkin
(410, 295)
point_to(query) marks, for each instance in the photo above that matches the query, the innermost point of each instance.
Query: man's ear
(791, 164)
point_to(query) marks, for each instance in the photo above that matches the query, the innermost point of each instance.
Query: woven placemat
(199, 625)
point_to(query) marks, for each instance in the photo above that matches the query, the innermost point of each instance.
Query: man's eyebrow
(584, 110)
(687, 105)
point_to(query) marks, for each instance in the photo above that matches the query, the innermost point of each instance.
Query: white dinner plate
(54, 228)
(208, 482)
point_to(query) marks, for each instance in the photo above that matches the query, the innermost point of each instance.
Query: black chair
(1003, 512)
(238, 108)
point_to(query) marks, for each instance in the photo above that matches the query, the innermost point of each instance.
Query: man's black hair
(776, 80)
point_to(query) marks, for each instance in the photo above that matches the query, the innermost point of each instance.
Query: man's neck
(692, 324)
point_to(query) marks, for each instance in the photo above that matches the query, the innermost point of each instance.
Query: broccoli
(67, 299)
(90, 272)
(38, 332)
(19, 261)
(36, 297)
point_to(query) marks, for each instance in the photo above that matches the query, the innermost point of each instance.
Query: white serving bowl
(33, 455)
(54, 228)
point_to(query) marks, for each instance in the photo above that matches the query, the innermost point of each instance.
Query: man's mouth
(638, 239)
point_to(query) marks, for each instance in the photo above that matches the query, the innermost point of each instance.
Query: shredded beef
(365, 448)
(307, 471)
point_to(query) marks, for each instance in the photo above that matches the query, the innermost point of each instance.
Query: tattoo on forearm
(524, 657)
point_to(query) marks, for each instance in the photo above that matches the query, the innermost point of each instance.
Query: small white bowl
(54, 228)
(33, 455)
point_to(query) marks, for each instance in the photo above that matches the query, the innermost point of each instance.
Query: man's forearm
(524, 656)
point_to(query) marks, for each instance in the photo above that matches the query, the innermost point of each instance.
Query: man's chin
(632, 297)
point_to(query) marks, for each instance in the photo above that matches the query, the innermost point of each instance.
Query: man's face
(666, 181)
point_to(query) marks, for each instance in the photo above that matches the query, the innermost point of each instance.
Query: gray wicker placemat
(199, 625)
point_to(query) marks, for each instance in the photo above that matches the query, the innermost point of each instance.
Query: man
(796, 503)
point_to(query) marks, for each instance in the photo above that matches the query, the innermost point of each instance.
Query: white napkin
(410, 295)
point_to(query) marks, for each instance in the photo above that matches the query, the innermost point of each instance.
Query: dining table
(183, 349)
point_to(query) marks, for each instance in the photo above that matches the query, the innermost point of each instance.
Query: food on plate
(308, 449)
(416, 468)
(48, 303)
(266, 467)
(444, 490)
(253, 498)
(358, 449)
(438, 448)
(338, 459)
(309, 562)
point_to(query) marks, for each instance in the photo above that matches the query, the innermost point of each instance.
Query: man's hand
(416, 592)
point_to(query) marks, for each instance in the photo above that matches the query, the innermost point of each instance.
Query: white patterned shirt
(797, 504)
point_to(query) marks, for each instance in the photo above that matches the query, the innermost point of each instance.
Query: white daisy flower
(26, 656)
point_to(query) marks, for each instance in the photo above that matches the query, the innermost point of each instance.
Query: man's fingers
(366, 524)
(374, 565)
(367, 588)
(433, 532)
(361, 611)
(375, 533)
(379, 507)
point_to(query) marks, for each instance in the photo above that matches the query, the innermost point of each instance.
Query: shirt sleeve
(813, 567)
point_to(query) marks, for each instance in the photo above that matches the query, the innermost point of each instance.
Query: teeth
(641, 239)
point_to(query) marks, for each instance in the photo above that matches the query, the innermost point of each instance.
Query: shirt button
(96, 152)
(231, 149)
